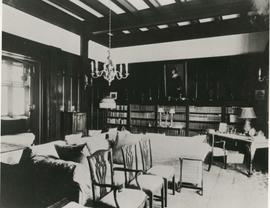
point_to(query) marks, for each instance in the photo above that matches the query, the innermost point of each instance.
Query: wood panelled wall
(58, 69)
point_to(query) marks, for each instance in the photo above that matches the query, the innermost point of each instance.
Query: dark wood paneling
(54, 64)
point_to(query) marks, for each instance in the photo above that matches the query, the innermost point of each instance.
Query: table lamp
(160, 111)
(247, 113)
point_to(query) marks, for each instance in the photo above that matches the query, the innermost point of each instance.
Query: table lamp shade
(160, 110)
(172, 111)
(107, 103)
(247, 113)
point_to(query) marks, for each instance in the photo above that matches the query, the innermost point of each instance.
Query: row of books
(233, 110)
(122, 107)
(134, 107)
(203, 126)
(178, 109)
(144, 115)
(177, 117)
(171, 132)
(233, 118)
(117, 114)
(205, 117)
(116, 121)
(196, 109)
(149, 123)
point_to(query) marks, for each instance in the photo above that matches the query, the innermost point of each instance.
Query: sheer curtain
(15, 89)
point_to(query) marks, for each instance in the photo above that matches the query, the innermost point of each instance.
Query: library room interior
(134, 103)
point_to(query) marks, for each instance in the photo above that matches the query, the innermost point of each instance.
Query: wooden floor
(230, 188)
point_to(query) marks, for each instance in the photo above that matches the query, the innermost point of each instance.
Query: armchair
(105, 192)
(218, 149)
(150, 184)
(166, 172)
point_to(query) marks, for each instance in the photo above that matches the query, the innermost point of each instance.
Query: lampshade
(172, 111)
(160, 110)
(247, 113)
(107, 103)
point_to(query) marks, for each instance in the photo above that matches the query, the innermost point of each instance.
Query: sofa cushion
(47, 149)
(124, 138)
(93, 143)
(71, 152)
(73, 136)
(92, 132)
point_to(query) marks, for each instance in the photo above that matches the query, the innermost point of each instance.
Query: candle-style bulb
(92, 66)
(126, 68)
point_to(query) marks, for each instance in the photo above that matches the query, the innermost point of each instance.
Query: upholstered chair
(218, 149)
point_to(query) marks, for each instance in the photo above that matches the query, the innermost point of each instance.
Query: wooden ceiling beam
(193, 31)
(173, 13)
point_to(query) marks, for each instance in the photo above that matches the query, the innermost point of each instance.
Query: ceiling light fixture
(116, 9)
(165, 2)
(63, 10)
(204, 20)
(126, 31)
(110, 71)
(138, 4)
(143, 29)
(162, 26)
(86, 7)
(230, 16)
(184, 23)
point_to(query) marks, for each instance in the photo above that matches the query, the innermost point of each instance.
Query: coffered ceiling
(136, 22)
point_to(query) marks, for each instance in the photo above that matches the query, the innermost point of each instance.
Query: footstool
(191, 174)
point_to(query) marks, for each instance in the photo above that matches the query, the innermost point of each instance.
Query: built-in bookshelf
(183, 119)
(118, 116)
(142, 116)
(204, 117)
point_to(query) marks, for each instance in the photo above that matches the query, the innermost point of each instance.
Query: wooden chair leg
(210, 161)
(173, 181)
(151, 200)
(225, 161)
(162, 197)
(166, 190)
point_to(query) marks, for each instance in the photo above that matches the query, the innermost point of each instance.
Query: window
(15, 88)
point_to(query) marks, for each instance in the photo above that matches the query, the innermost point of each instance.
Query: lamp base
(247, 126)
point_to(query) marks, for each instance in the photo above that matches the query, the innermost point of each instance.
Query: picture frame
(113, 95)
(170, 85)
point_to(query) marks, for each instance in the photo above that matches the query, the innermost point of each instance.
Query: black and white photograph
(134, 104)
